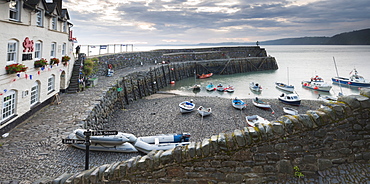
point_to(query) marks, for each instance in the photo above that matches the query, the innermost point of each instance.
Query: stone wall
(305, 144)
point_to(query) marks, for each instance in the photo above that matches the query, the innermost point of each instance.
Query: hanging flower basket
(40, 63)
(65, 60)
(54, 61)
(15, 68)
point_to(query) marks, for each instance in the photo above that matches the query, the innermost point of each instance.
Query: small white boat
(255, 87)
(229, 89)
(186, 106)
(220, 87)
(204, 111)
(290, 111)
(196, 87)
(291, 99)
(327, 98)
(260, 103)
(253, 120)
(210, 87)
(285, 87)
(317, 83)
(238, 104)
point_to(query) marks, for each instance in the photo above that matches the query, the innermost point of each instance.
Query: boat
(203, 76)
(317, 83)
(204, 111)
(254, 120)
(291, 99)
(327, 98)
(285, 87)
(195, 87)
(229, 89)
(210, 87)
(260, 103)
(238, 104)
(186, 106)
(354, 79)
(220, 87)
(290, 111)
(106, 139)
(255, 87)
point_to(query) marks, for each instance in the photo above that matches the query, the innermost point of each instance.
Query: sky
(156, 22)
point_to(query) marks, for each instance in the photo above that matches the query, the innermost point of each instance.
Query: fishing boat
(254, 120)
(229, 89)
(260, 103)
(291, 99)
(186, 106)
(283, 86)
(354, 79)
(290, 111)
(317, 83)
(255, 87)
(204, 111)
(203, 76)
(210, 87)
(220, 87)
(238, 104)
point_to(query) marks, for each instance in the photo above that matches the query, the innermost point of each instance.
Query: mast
(336, 69)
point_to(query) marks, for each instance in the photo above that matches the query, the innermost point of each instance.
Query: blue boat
(291, 99)
(239, 104)
(354, 80)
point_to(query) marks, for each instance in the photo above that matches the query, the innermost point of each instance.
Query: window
(51, 82)
(8, 105)
(14, 10)
(54, 22)
(38, 49)
(65, 26)
(64, 46)
(35, 93)
(40, 18)
(12, 52)
(53, 49)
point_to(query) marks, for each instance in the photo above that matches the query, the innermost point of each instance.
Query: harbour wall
(289, 149)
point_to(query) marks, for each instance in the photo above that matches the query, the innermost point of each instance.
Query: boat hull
(186, 107)
(284, 87)
(261, 104)
(347, 81)
(239, 104)
(204, 111)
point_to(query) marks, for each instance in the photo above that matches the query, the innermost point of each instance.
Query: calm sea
(296, 63)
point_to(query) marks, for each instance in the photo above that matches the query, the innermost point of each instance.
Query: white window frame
(40, 18)
(35, 93)
(38, 50)
(14, 10)
(12, 52)
(65, 26)
(51, 83)
(64, 48)
(53, 49)
(54, 22)
(8, 105)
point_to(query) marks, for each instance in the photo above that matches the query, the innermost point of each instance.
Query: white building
(31, 30)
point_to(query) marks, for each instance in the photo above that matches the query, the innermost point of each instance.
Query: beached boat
(131, 143)
(238, 104)
(354, 79)
(254, 120)
(291, 99)
(260, 103)
(203, 76)
(285, 87)
(210, 87)
(196, 87)
(229, 89)
(255, 87)
(327, 98)
(290, 111)
(186, 106)
(317, 83)
(204, 111)
(220, 87)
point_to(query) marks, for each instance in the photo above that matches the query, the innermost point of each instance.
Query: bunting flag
(5, 90)
(18, 75)
(25, 75)
(38, 72)
(30, 77)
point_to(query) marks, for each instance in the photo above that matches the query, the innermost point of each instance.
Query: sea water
(296, 63)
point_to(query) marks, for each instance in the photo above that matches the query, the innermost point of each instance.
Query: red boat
(203, 76)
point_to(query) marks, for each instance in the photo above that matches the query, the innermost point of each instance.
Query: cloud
(200, 21)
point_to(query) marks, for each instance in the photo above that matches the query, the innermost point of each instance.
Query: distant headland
(358, 37)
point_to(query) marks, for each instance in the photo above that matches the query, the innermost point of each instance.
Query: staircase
(73, 86)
